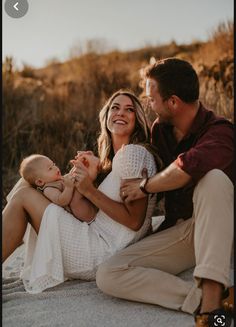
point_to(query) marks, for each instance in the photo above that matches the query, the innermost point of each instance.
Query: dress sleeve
(130, 161)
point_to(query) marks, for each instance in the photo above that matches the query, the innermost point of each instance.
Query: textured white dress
(67, 248)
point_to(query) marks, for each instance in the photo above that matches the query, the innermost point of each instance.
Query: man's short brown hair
(175, 77)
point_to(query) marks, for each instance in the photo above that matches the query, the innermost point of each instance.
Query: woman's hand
(81, 157)
(83, 182)
(81, 153)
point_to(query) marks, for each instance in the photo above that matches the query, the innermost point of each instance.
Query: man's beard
(164, 120)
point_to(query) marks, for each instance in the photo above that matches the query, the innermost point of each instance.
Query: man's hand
(130, 191)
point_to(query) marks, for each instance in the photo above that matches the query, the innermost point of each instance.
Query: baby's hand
(69, 180)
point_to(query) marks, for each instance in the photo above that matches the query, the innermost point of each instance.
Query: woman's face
(121, 117)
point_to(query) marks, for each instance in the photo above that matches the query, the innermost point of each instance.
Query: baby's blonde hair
(28, 168)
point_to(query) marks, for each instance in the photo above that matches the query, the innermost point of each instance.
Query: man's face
(158, 105)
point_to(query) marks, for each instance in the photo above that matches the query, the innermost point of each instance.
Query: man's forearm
(170, 178)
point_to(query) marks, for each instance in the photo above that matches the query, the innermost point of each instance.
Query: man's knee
(214, 181)
(105, 278)
(215, 176)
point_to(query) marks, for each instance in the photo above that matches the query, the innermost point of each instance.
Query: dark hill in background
(54, 110)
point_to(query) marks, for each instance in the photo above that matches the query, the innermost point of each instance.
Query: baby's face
(47, 171)
(91, 162)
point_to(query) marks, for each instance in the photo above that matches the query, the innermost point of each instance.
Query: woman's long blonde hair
(140, 135)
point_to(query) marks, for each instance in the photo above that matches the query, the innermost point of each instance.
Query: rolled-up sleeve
(213, 150)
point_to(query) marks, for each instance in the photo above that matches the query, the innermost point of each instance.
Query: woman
(65, 247)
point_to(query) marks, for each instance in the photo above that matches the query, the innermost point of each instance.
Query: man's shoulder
(212, 118)
(207, 120)
(217, 125)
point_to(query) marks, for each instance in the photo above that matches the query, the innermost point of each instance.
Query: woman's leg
(25, 202)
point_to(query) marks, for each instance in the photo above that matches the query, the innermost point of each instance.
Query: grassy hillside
(54, 110)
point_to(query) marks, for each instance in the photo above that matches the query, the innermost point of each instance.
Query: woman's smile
(119, 122)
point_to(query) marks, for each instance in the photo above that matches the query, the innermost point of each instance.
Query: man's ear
(174, 102)
(39, 182)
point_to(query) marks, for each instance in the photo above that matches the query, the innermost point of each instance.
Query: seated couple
(189, 161)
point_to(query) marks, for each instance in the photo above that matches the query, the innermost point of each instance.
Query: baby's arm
(82, 208)
(61, 198)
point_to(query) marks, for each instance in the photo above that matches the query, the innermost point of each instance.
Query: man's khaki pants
(146, 271)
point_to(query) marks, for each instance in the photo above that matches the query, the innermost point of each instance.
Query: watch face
(143, 182)
(142, 185)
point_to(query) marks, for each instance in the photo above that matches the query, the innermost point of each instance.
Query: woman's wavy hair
(140, 135)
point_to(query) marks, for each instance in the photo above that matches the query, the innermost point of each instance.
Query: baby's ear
(39, 182)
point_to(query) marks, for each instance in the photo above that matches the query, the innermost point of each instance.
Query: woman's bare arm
(131, 215)
(82, 208)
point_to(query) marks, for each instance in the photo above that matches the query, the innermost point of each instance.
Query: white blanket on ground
(78, 304)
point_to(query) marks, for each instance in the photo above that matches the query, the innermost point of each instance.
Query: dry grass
(214, 62)
(54, 110)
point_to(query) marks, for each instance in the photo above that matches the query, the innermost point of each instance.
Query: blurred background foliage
(54, 110)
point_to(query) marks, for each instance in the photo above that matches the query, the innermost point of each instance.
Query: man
(196, 147)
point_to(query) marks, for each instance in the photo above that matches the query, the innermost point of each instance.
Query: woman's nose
(120, 112)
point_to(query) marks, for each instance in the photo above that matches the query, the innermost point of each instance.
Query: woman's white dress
(67, 248)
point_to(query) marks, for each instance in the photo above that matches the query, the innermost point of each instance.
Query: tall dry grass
(214, 62)
(54, 110)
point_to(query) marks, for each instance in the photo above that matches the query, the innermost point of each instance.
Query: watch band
(142, 186)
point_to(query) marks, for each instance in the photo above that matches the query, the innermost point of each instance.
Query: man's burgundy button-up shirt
(208, 145)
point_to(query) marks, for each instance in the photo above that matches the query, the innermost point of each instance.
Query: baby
(41, 172)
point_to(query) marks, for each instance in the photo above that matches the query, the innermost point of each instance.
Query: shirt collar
(197, 124)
